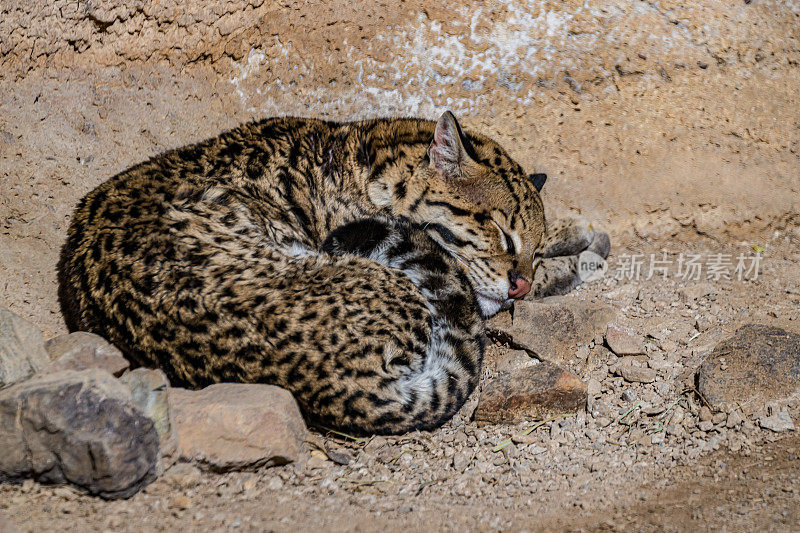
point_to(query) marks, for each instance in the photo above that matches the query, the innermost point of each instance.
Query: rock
(705, 414)
(637, 374)
(553, 328)
(22, 352)
(629, 395)
(706, 425)
(757, 365)
(180, 502)
(150, 391)
(375, 444)
(82, 350)
(499, 326)
(232, 426)
(593, 387)
(182, 475)
(77, 427)
(275, 483)
(623, 341)
(340, 457)
(507, 360)
(777, 422)
(461, 461)
(695, 292)
(534, 392)
(734, 419)
(524, 439)
(702, 323)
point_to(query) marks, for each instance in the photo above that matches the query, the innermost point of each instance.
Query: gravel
(630, 432)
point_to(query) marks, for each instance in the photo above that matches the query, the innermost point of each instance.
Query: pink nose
(519, 288)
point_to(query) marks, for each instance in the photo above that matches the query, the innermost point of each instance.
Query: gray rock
(593, 387)
(82, 350)
(231, 426)
(637, 374)
(629, 395)
(461, 461)
(22, 352)
(757, 365)
(777, 422)
(150, 392)
(77, 427)
(706, 425)
(552, 329)
(734, 419)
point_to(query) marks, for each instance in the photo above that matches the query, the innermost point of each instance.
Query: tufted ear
(447, 152)
(538, 180)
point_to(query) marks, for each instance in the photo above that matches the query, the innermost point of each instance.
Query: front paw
(575, 254)
(573, 235)
(568, 236)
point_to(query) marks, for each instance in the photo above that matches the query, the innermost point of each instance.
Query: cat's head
(485, 210)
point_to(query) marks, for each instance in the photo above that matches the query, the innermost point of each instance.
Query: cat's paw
(574, 253)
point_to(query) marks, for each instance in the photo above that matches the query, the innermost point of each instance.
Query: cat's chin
(490, 306)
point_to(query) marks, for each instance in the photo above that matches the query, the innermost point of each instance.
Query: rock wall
(410, 54)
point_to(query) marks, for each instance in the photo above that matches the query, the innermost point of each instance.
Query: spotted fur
(351, 263)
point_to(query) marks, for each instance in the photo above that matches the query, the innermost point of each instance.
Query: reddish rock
(232, 426)
(624, 341)
(530, 393)
(82, 350)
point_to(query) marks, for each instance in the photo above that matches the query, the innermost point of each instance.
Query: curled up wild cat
(350, 263)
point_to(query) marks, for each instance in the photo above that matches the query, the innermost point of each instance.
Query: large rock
(77, 427)
(22, 352)
(530, 393)
(232, 426)
(150, 392)
(552, 329)
(82, 350)
(757, 365)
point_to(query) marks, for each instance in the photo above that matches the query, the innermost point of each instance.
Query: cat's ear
(447, 152)
(538, 180)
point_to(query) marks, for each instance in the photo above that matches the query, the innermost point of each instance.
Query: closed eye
(506, 240)
(510, 244)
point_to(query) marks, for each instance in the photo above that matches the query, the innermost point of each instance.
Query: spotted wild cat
(351, 263)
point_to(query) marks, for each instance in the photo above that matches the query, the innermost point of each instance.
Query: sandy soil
(674, 126)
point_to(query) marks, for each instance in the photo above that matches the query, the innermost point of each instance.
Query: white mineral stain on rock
(515, 48)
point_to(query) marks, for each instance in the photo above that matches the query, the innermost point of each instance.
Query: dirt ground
(674, 126)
